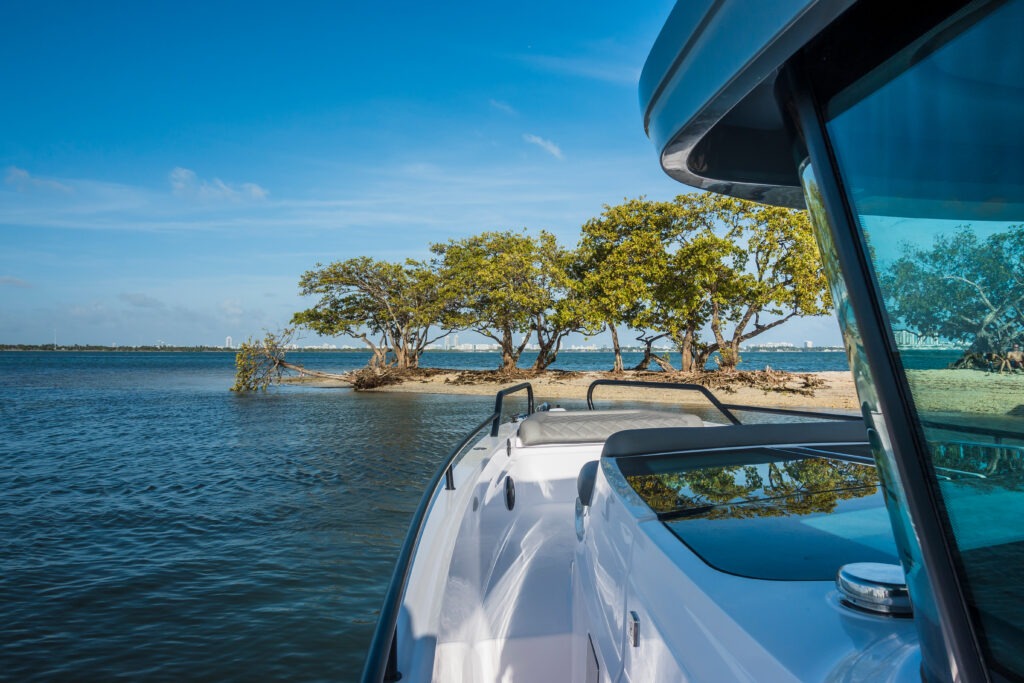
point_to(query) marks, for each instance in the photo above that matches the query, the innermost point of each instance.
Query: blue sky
(169, 170)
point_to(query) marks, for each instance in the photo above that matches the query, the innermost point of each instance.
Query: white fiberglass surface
(505, 610)
(698, 623)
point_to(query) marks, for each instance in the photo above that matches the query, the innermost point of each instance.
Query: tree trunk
(509, 356)
(700, 358)
(617, 368)
(648, 341)
(545, 357)
(379, 358)
(314, 373)
(664, 363)
(401, 357)
(727, 355)
(545, 345)
(686, 352)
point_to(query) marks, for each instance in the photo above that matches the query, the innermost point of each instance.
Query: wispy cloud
(546, 145)
(140, 300)
(504, 107)
(24, 181)
(424, 196)
(589, 68)
(11, 281)
(185, 183)
(232, 308)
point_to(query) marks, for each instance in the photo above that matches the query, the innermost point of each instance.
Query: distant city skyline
(307, 339)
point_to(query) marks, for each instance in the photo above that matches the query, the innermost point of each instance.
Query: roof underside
(707, 92)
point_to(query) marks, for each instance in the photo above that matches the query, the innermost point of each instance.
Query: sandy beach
(837, 391)
(968, 391)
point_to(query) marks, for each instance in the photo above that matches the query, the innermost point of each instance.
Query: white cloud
(546, 145)
(582, 67)
(232, 308)
(11, 281)
(504, 107)
(254, 191)
(93, 313)
(185, 183)
(24, 181)
(141, 300)
(417, 199)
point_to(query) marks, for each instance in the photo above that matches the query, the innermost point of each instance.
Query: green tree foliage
(509, 284)
(962, 288)
(702, 261)
(757, 266)
(566, 300)
(390, 307)
(258, 364)
(621, 260)
(794, 487)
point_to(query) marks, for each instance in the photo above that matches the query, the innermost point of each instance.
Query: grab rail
(500, 397)
(382, 658)
(724, 408)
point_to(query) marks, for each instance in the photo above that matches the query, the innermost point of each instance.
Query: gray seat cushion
(649, 441)
(594, 426)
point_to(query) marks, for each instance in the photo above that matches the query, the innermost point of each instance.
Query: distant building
(771, 346)
(229, 343)
(808, 344)
(905, 339)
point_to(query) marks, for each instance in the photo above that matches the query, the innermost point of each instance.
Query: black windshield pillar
(950, 650)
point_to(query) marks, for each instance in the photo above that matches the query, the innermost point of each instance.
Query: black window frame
(862, 39)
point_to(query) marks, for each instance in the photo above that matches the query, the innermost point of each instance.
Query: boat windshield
(930, 149)
(770, 513)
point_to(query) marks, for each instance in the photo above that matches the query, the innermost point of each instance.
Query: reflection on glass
(778, 514)
(930, 148)
(965, 290)
(774, 488)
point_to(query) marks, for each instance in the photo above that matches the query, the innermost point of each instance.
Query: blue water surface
(154, 525)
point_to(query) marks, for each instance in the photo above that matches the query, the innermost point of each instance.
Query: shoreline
(836, 391)
(961, 391)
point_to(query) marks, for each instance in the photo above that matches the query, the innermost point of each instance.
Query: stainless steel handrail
(724, 408)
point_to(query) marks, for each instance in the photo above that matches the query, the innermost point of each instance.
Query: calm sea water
(154, 525)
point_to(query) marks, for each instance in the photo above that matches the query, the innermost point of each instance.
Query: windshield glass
(931, 152)
(770, 513)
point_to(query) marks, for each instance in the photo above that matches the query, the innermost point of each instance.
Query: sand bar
(837, 392)
(962, 391)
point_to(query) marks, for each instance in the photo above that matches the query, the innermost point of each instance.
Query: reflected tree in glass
(963, 288)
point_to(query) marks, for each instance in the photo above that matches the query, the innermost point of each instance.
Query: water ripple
(153, 525)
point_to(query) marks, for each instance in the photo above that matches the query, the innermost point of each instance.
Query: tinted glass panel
(932, 159)
(767, 513)
(806, 538)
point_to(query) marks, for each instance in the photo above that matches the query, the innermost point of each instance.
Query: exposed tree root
(468, 377)
(365, 378)
(767, 380)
